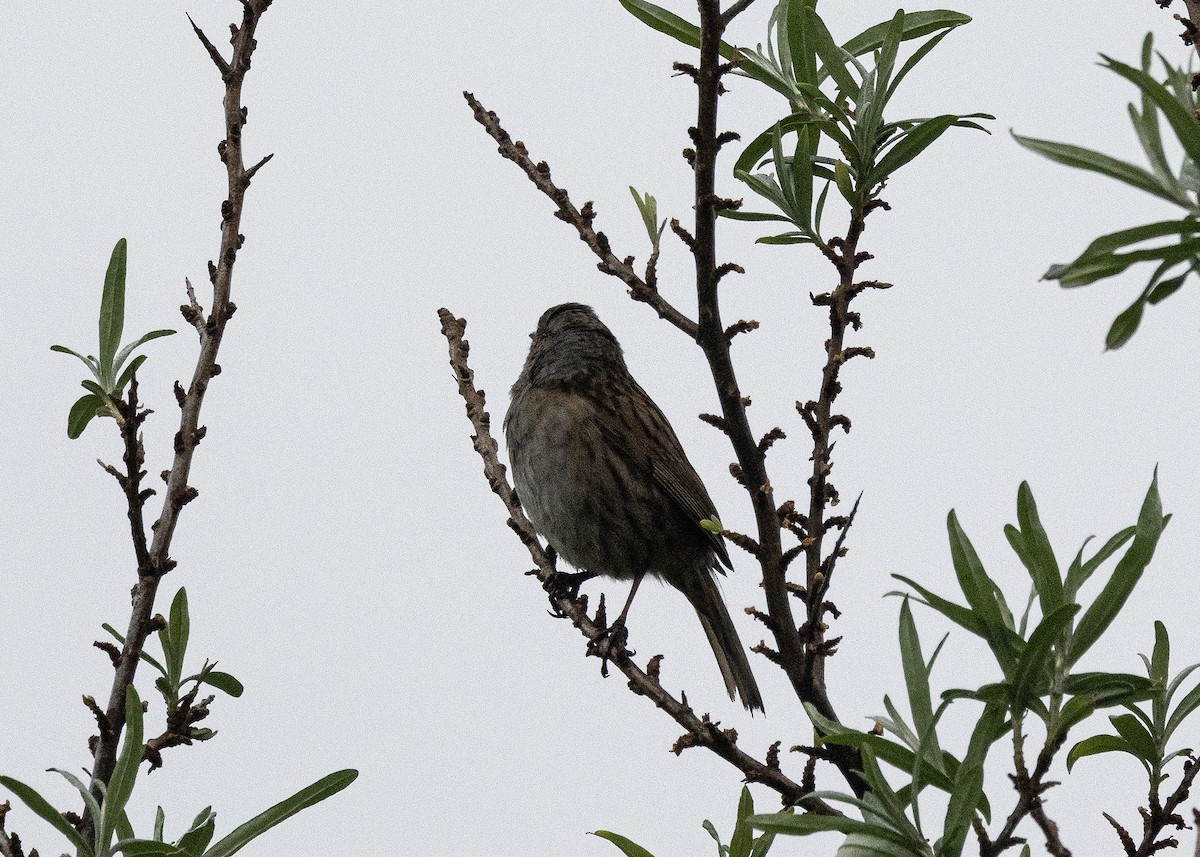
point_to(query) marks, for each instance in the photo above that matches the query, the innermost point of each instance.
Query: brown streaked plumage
(603, 477)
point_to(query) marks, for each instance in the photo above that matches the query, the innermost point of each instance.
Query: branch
(157, 560)
(699, 731)
(539, 174)
(1030, 788)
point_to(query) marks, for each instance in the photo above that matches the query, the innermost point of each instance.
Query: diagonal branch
(157, 560)
(539, 174)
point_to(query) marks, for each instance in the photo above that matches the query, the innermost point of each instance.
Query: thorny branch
(1030, 788)
(539, 173)
(154, 558)
(1158, 816)
(699, 731)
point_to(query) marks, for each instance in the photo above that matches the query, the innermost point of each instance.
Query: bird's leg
(615, 634)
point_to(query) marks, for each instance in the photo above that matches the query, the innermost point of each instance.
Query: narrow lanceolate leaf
(43, 810)
(317, 792)
(112, 310)
(141, 340)
(1179, 117)
(1083, 272)
(628, 847)
(743, 834)
(1098, 162)
(916, 24)
(1034, 665)
(979, 591)
(1040, 560)
(917, 140)
(1125, 576)
(120, 784)
(956, 613)
(181, 628)
(834, 57)
(1080, 571)
(916, 679)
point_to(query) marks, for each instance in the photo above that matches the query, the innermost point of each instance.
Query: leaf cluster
(113, 369)
(1172, 99)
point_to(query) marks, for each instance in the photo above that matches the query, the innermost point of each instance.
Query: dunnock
(603, 477)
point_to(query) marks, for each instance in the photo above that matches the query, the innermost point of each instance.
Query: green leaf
(628, 847)
(1040, 559)
(1125, 325)
(197, 839)
(82, 413)
(795, 36)
(1097, 162)
(127, 375)
(1165, 288)
(979, 590)
(43, 810)
(956, 613)
(841, 177)
(784, 238)
(150, 848)
(753, 216)
(181, 629)
(306, 797)
(89, 800)
(803, 825)
(1095, 745)
(1140, 742)
(648, 207)
(742, 839)
(1080, 572)
(915, 141)
(1177, 115)
(88, 361)
(964, 801)
(112, 310)
(1186, 707)
(1125, 576)
(658, 18)
(917, 55)
(141, 340)
(222, 681)
(120, 784)
(831, 55)
(1034, 664)
(916, 680)
(916, 24)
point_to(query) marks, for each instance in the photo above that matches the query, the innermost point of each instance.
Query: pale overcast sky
(345, 558)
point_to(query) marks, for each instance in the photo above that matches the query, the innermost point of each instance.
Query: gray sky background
(345, 558)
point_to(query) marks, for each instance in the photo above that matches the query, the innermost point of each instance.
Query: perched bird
(603, 477)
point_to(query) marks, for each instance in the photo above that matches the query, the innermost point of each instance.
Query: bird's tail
(705, 597)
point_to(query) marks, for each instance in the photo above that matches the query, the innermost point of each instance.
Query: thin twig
(157, 561)
(539, 174)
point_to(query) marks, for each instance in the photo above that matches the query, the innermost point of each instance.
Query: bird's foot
(607, 640)
(565, 585)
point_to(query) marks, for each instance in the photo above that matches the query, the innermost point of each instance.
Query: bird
(602, 476)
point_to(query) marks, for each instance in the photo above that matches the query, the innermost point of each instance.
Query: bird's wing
(642, 434)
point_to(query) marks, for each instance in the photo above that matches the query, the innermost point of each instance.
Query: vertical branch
(155, 561)
(800, 652)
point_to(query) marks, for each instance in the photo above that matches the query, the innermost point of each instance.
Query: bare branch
(154, 560)
(539, 174)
